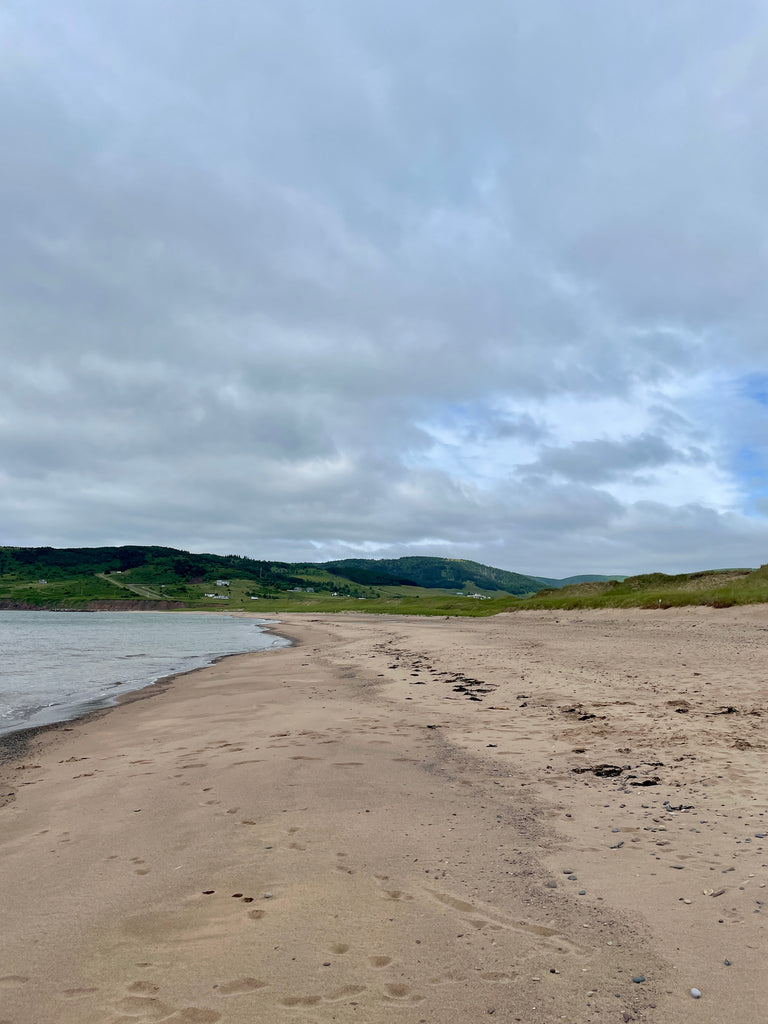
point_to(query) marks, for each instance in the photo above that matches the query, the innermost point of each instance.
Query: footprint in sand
(300, 1000)
(256, 915)
(144, 1007)
(397, 992)
(240, 986)
(13, 980)
(379, 961)
(143, 988)
(344, 992)
(77, 993)
(339, 948)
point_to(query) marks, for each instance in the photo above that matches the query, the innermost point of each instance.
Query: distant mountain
(571, 581)
(446, 574)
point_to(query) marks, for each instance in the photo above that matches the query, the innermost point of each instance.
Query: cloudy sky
(308, 280)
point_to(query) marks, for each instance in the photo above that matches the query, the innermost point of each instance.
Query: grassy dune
(719, 588)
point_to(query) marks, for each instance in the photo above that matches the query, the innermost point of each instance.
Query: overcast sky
(307, 280)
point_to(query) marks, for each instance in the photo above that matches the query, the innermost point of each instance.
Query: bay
(55, 666)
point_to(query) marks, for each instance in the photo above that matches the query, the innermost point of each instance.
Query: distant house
(42, 581)
(254, 598)
(222, 583)
(310, 590)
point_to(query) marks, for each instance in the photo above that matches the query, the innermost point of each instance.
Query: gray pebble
(695, 994)
(582, 892)
(572, 878)
(639, 979)
(267, 895)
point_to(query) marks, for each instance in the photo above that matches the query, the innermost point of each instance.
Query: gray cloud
(600, 461)
(253, 254)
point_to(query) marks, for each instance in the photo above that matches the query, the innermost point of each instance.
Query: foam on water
(55, 666)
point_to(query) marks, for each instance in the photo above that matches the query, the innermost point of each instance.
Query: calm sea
(55, 666)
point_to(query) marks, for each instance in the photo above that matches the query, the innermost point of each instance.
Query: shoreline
(16, 745)
(92, 706)
(384, 813)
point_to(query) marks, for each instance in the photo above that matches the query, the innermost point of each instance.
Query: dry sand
(335, 832)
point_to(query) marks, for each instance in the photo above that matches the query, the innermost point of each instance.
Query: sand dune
(414, 820)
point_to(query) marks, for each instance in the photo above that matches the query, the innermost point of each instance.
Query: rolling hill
(75, 577)
(450, 574)
(136, 576)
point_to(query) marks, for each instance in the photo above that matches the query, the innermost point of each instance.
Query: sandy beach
(534, 817)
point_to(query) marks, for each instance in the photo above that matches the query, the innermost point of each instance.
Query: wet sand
(399, 819)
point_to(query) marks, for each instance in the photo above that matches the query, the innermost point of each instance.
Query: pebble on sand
(695, 993)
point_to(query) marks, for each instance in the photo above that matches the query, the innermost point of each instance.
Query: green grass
(73, 592)
(716, 588)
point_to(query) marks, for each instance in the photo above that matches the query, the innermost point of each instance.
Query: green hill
(446, 574)
(719, 588)
(137, 576)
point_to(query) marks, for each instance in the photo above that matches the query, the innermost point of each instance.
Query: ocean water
(55, 666)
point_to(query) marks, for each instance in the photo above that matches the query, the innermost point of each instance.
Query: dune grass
(718, 588)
